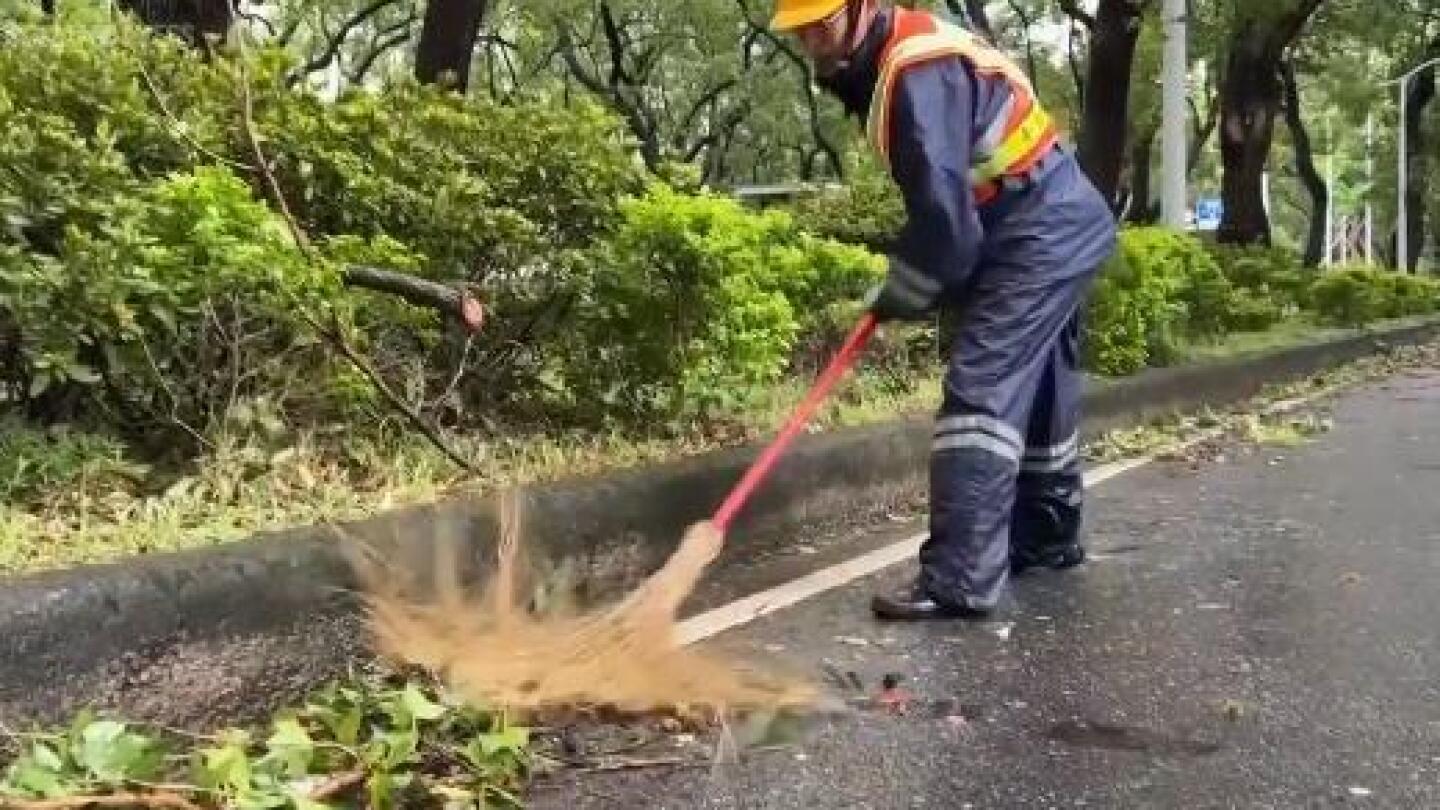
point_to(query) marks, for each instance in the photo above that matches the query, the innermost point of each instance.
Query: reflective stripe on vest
(1015, 141)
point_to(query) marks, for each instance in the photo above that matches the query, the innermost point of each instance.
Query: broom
(844, 358)
(623, 657)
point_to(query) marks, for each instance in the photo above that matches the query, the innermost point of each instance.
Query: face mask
(829, 72)
(841, 65)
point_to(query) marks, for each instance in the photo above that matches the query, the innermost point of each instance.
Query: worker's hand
(904, 295)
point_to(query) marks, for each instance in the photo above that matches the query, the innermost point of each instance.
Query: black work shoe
(912, 604)
(1058, 558)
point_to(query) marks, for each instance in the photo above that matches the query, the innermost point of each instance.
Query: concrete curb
(220, 635)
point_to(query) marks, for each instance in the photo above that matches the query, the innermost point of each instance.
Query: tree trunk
(1107, 98)
(1200, 131)
(1417, 159)
(1143, 210)
(192, 20)
(1315, 243)
(1250, 100)
(447, 42)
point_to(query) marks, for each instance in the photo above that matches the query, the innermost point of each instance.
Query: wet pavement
(1258, 630)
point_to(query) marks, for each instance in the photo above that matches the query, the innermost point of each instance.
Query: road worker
(1003, 229)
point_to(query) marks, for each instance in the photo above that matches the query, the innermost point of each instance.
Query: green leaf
(110, 753)
(83, 374)
(391, 749)
(82, 720)
(46, 757)
(382, 787)
(291, 747)
(261, 800)
(343, 724)
(418, 705)
(226, 767)
(30, 778)
(455, 796)
(512, 739)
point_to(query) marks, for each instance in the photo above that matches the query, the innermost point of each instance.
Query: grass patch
(73, 498)
(1291, 332)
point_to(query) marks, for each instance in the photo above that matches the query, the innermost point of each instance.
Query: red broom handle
(843, 360)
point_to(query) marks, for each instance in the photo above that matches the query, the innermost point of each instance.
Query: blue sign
(1208, 211)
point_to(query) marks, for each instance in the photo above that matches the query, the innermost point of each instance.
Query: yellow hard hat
(792, 14)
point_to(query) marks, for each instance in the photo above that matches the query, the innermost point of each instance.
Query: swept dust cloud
(491, 649)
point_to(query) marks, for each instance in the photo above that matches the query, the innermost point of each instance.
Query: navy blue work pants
(1006, 448)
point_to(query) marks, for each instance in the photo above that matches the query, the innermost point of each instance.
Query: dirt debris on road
(495, 651)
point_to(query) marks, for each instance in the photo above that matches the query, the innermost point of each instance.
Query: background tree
(1315, 241)
(1113, 31)
(447, 42)
(192, 20)
(1251, 98)
(1419, 150)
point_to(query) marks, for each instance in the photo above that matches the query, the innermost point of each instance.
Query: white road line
(771, 600)
(748, 609)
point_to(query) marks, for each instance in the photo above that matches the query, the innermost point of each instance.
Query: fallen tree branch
(443, 298)
(333, 332)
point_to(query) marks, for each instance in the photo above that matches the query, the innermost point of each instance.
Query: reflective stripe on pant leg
(1050, 490)
(1055, 458)
(982, 432)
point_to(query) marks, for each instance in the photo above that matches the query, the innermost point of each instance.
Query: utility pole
(1370, 189)
(1173, 146)
(1329, 191)
(1402, 220)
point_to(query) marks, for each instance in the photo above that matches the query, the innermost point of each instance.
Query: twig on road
(642, 764)
(338, 785)
(158, 799)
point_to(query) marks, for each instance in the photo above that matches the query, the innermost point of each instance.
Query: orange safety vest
(1021, 135)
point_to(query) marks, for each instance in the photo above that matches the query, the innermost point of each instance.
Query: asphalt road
(1260, 630)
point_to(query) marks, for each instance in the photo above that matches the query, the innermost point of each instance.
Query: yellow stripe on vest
(1021, 142)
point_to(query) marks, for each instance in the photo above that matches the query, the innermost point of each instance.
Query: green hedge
(1164, 289)
(1359, 295)
(1160, 289)
(695, 303)
(867, 211)
(148, 283)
